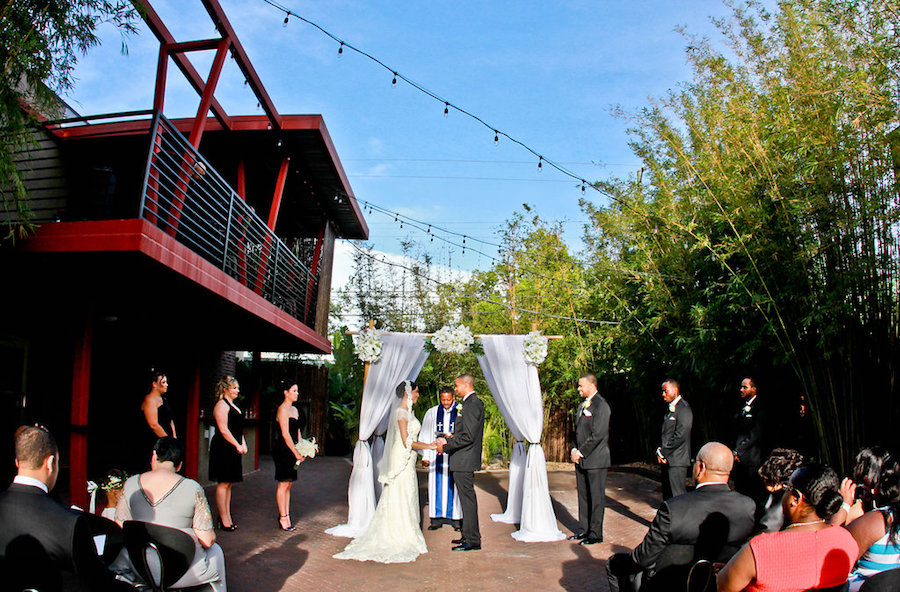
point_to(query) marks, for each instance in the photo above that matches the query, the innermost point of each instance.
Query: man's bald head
(714, 463)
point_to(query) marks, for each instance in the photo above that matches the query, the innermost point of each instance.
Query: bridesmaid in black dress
(286, 457)
(157, 414)
(227, 446)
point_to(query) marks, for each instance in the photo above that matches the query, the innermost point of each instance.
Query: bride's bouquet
(307, 448)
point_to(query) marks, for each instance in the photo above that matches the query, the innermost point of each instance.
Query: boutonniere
(671, 407)
(586, 403)
(746, 409)
(458, 409)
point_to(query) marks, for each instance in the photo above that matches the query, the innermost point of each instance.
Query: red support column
(314, 270)
(273, 218)
(207, 96)
(159, 95)
(78, 444)
(192, 429)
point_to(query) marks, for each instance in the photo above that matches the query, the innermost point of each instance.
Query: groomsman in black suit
(591, 458)
(464, 448)
(711, 522)
(674, 454)
(42, 544)
(748, 447)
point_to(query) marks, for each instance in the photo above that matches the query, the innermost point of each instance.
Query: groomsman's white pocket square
(587, 413)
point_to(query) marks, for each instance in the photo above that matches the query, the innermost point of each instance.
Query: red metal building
(164, 243)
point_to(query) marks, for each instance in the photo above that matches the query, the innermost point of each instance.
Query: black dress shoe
(591, 540)
(577, 537)
(458, 541)
(434, 527)
(467, 547)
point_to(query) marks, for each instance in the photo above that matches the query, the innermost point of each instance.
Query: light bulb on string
(446, 109)
(540, 163)
(496, 138)
(394, 81)
(286, 19)
(341, 49)
(582, 187)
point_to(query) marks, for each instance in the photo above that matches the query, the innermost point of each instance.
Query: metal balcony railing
(186, 198)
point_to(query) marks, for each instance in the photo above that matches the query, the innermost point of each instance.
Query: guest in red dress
(808, 553)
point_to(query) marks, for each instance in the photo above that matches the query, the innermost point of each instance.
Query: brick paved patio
(261, 558)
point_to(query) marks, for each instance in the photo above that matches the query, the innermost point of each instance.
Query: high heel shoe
(221, 526)
(290, 527)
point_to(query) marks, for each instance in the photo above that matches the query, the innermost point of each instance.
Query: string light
(540, 162)
(341, 49)
(496, 138)
(447, 104)
(286, 19)
(417, 273)
(394, 81)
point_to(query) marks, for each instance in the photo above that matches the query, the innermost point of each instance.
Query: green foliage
(345, 385)
(40, 41)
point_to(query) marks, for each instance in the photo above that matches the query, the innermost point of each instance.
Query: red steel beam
(240, 56)
(78, 444)
(158, 28)
(279, 192)
(162, 68)
(207, 96)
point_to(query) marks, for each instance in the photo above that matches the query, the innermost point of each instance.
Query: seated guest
(808, 553)
(162, 496)
(711, 522)
(41, 542)
(859, 490)
(876, 531)
(776, 472)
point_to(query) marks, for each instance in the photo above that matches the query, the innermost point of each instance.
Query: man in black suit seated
(674, 453)
(711, 522)
(591, 458)
(44, 545)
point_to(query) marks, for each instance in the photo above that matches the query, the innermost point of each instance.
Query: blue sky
(546, 73)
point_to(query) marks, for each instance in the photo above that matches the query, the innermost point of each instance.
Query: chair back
(886, 581)
(160, 554)
(112, 533)
(27, 566)
(701, 577)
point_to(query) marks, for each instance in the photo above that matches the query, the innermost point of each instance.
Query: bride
(394, 535)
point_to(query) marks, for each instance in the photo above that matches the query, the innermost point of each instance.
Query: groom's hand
(440, 447)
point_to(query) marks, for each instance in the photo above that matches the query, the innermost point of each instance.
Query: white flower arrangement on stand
(453, 340)
(535, 348)
(368, 346)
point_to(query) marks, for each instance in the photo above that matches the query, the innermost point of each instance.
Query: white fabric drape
(517, 391)
(402, 358)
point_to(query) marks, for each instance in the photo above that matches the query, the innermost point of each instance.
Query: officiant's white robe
(443, 501)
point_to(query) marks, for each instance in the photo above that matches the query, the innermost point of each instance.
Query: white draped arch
(517, 391)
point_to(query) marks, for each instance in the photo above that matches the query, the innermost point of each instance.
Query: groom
(464, 449)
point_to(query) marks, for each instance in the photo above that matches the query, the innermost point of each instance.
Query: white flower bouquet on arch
(535, 347)
(453, 340)
(368, 346)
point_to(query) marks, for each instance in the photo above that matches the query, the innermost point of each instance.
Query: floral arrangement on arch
(368, 346)
(454, 340)
(535, 347)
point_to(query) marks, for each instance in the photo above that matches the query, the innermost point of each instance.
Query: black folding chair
(886, 581)
(161, 555)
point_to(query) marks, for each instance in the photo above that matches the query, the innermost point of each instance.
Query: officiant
(443, 501)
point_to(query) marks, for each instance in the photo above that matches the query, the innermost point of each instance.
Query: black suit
(592, 441)
(711, 522)
(464, 449)
(748, 447)
(40, 538)
(676, 448)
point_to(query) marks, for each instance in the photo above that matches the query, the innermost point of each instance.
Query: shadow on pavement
(277, 563)
(585, 573)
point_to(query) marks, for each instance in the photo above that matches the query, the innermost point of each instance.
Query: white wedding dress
(394, 535)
